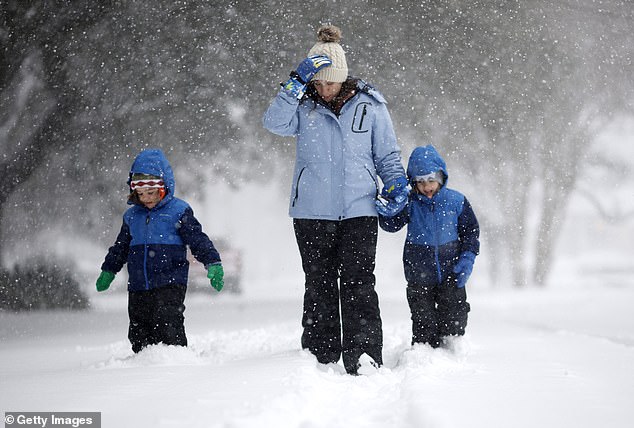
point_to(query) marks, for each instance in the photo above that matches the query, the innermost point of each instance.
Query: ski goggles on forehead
(147, 184)
(427, 178)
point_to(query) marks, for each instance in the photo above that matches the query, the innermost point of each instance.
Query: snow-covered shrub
(40, 284)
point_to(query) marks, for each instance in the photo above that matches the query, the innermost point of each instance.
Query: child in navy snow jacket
(440, 249)
(153, 242)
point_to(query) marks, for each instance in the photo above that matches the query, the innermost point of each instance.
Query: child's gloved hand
(396, 189)
(216, 274)
(393, 197)
(463, 268)
(104, 280)
(389, 208)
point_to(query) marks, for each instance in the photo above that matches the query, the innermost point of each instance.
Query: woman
(345, 138)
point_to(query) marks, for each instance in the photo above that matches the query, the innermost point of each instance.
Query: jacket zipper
(376, 184)
(362, 117)
(436, 243)
(145, 251)
(299, 176)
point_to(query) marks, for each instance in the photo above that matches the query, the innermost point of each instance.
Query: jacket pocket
(296, 192)
(312, 195)
(376, 184)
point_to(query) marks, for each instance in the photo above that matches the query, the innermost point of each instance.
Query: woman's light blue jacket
(339, 157)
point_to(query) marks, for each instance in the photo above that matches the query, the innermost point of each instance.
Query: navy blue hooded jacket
(440, 228)
(153, 242)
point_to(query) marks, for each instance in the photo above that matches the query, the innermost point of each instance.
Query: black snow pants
(338, 259)
(437, 311)
(156, 316)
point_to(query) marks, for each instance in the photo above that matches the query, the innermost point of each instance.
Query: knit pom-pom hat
(328, 38)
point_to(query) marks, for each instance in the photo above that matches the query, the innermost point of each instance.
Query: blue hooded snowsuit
(153, 241)
(440, 230)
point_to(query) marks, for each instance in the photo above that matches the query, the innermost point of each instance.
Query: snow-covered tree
(511, 92)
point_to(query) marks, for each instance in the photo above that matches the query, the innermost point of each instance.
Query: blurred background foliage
(513, 93)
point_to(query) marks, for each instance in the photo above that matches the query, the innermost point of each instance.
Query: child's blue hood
(154, 162)
(425, 160)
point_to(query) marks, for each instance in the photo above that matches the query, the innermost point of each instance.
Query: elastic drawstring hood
(152, 162)
(425, 161)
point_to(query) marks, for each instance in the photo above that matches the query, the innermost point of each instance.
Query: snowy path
(529, 360)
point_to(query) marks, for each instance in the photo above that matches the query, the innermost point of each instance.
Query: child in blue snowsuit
(153, 242)
(440, 248)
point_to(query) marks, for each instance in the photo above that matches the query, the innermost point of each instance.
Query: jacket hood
(154, 162)
(425, 160)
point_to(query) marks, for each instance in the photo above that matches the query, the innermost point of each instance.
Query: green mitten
(215, 273)
(104, 280)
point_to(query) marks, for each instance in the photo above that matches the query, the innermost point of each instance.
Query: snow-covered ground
(562, 356)
(530, 359)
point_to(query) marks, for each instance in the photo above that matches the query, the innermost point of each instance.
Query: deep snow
(562, 356)
(530, 359)
(552, 357)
